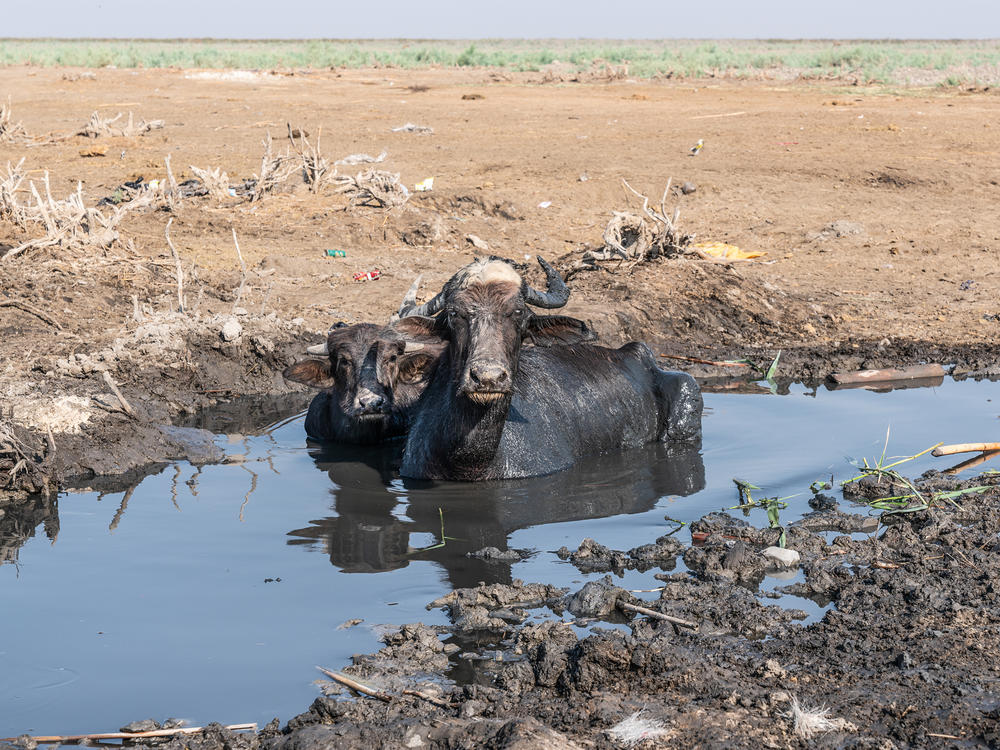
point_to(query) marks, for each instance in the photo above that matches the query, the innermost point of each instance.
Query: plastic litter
(424, 185)
(373, 275)
(697, 147)
(731, 252)
(545, 204)
(336, 253)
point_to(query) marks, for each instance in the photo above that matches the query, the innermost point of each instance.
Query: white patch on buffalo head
(482, 271)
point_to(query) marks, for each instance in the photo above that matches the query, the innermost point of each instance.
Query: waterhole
(211, 593)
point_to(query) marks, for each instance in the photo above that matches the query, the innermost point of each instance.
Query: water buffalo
(370, 377)
(497, 409)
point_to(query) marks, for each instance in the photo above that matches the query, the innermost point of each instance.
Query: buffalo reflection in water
(377, 512)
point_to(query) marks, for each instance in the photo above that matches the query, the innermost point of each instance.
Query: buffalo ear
(419, 328)
(312, 372)
(548, 330)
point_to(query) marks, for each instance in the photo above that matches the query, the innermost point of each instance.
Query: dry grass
(99, 126)
(375, 187)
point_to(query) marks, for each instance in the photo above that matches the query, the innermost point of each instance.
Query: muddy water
(210, 594)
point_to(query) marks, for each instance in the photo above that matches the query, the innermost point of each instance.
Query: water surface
(210, 594)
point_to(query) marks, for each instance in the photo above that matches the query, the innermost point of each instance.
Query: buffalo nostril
(489, 376)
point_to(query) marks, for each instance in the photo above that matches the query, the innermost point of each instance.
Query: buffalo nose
(371, 401)
(489, 376)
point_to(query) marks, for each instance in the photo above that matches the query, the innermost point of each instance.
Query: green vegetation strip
(899, 62)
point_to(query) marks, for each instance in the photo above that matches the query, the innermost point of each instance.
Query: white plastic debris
(353, 159)
(545, 204)
(783, 556)
(424, 185)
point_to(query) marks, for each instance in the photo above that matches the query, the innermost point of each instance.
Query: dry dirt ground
(877, 211)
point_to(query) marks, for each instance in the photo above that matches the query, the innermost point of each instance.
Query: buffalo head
(484, 314)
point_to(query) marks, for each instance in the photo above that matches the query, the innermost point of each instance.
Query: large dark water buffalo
(495, 408)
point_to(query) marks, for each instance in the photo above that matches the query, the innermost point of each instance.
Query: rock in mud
(231, 329)
(494, 554)
(593, 557)
(782, 556)
(597, 598)
(474, 608)
(143, 725)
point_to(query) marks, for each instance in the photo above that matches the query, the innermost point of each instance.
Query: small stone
(688, 187)
(785, 557)
(231, 330)
(144, 725)
(241, 311)
(477, 243)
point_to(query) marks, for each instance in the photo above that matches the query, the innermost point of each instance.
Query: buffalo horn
(427, 309)
(319, 349)
(412, 346)
(556, 293)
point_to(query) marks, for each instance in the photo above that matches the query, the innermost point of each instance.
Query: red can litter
(373, 275)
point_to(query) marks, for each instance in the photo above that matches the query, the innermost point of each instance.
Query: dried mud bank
(905, 657)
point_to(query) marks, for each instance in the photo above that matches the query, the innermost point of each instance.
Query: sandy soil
(877, 211)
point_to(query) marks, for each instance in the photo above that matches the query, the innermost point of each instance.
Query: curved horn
(427, 309)
(319, 349)
(556, 293)
(410, 299)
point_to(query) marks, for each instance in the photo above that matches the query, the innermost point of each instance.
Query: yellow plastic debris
(722, 250)
(424, 185)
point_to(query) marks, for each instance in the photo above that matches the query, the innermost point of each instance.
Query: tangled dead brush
(316, 168)
(274, 170)
(69, 223)
(99, 126)
(215, 181)
(632, 238)
(10, 132)
(375, 187)
(21, 460)
(10, 209)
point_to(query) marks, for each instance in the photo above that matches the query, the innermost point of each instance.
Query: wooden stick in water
(947, 450)
(658, 615)
(357, 687)
(127, 735)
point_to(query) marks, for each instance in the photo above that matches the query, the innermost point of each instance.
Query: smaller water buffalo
(497, 409)
(370, 378)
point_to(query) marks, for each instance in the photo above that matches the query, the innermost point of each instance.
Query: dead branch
(374, 188)
(10, 209)
(215, 181)
(98, 126)
(274, 170)
(357, 687)
(20, 305)
(72, 225)
(243, 272)
(177, 261)
(10, 132)
(316, 170)
(110, 383)
(127, 735)
(638, 238)
(658, 615)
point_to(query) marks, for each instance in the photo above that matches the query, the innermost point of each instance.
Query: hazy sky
(442, 19)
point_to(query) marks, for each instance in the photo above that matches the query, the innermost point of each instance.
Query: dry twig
(243, 272)
(10, 132)
(357, 687)
(21, 305)
(274, 170)
(215, 181)
(316, 169)
(126, 735)
(110, 383)
(658, 615)
(177, 261)
(98, 126)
